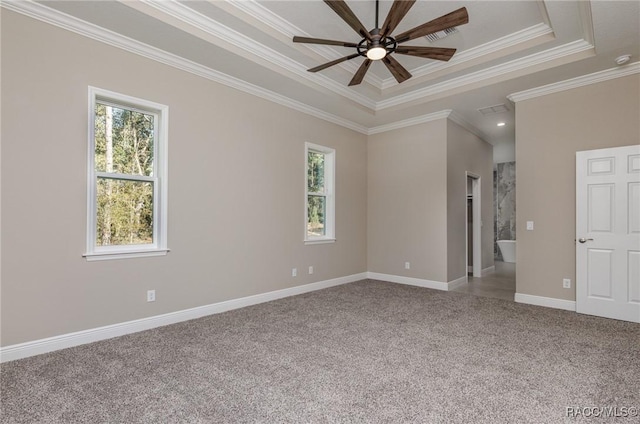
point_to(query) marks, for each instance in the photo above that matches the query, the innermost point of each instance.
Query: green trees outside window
(320, 194)
(124, 165)
(316, 200)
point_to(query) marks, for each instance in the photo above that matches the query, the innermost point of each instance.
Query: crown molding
(97, 33)
(276, 23)
(261, 13)
(533, 60)
(216, 29)
(264, 15)
(443, 114)
(458, 119)
(586, 19)
(203, 23)
(59, 19)
(510, 40)
(596, 77)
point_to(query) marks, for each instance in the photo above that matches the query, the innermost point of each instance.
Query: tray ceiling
(507, 46)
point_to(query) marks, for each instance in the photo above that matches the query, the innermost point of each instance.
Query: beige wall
(407, 197)
(549, 132)
(467, 153)
(236, 190)
(504, 152)
(417, 200)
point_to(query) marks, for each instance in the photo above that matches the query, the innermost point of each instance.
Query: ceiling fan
(378, 44)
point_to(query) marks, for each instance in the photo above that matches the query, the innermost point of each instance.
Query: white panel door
(608, 233)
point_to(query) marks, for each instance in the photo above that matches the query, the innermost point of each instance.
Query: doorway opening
(474, 226)
(499, 281)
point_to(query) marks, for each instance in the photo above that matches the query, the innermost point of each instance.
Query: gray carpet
(363, 352)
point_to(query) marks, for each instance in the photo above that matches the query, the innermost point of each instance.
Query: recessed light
(501, 124)
(621, 60)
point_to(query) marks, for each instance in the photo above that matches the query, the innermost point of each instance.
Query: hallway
(500, 284)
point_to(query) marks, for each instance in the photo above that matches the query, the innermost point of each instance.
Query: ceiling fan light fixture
(376, 53)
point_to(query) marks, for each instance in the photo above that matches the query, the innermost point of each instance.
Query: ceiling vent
(435, 36)
(490, 110)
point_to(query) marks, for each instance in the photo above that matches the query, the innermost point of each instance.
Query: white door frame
(476, 225)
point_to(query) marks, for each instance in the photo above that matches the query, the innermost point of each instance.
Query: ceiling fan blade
(341, 8)
(397, 70)
(437, 53)
(455, 18)
(398, 10)
(308, 40)
(333, 62)
(362, 70)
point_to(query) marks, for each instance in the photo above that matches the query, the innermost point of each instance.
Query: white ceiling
(507, 46)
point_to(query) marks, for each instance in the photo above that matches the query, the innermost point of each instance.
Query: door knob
(584, 240)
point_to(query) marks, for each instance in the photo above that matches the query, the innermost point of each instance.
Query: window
(320, 194)
(127, 188)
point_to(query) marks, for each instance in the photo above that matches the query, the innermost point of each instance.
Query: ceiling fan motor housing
(387, 43)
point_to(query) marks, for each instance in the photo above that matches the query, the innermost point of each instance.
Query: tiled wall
(504, 189)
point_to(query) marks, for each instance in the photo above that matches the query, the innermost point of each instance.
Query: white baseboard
(50, 344)
(549, 302)
(488, 270)
(451, 285)
(429, 284)
(484, 272)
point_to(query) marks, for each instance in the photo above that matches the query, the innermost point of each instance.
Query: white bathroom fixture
(508, 250)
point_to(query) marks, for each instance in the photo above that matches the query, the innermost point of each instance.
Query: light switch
(529, 225)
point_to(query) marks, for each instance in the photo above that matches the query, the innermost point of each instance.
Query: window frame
(158, 179)
(329, 193)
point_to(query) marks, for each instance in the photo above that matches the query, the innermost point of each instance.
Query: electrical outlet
(566, 283)
(310, 270)
(407, 265)
(294, 272)
(529, 225)
(151, 295)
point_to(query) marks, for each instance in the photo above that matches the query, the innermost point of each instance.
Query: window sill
(320, 241)
(105, 256)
